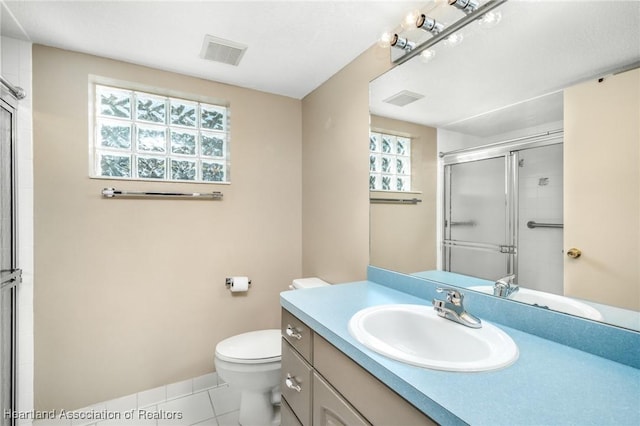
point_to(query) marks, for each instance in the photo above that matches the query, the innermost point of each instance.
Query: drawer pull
(292, 384)
(293, 333)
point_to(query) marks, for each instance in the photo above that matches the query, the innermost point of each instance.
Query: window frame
(392, 156)
(167, 155)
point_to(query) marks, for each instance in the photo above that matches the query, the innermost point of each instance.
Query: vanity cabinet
(329, 408)
(296, 384)
(322, 386)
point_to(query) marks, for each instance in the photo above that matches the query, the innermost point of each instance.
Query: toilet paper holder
(228, 282)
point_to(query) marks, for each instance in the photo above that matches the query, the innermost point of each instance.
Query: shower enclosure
(503, 210)
(10, 274)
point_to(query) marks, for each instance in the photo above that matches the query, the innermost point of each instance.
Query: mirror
(553, 90)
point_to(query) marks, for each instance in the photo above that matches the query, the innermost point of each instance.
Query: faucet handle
(453, 295)
(506, 280)
(505, 286)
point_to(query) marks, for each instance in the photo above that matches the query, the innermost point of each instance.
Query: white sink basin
(548, 300)
(416, 335)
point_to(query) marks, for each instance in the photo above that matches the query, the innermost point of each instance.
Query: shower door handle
(10, 277)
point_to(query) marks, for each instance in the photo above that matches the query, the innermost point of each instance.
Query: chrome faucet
(452, 308)
(505, 287)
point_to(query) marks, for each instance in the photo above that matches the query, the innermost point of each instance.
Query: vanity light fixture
(473, 12)
(429, 24)
(467, 6)
(402, 43)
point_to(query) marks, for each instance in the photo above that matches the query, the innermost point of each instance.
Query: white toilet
(251, 363)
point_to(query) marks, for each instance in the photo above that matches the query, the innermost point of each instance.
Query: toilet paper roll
(239, 284)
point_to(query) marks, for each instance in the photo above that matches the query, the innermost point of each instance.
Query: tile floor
(202, 401)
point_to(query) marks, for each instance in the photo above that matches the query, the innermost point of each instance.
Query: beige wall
(335, 171)
(602, 188)
(403, 237)
(130, 293)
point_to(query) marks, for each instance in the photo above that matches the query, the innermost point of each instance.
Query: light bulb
(385, 39)
(409, 22)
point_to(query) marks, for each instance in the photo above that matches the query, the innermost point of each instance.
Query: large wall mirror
(524, 156)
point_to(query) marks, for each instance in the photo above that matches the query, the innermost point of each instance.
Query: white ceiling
(538, 48)
(293, 46)
(511, 76)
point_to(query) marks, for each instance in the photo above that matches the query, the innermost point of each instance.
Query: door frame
(509, 150)
(11, 278)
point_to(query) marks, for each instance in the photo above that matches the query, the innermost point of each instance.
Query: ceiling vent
(403, 98)
(220, 50)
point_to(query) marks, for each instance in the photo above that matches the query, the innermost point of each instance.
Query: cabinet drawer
(378, 404)
(298, 334)
(287, 417)
(330, 409)
(296, 383)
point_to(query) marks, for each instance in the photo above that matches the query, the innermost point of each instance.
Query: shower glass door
(479, 238)
(10, 275)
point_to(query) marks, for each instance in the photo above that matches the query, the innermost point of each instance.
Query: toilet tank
(307, 283)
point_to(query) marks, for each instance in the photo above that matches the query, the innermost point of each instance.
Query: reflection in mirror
(525, 154)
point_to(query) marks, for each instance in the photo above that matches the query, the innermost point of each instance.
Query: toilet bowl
(250, 362)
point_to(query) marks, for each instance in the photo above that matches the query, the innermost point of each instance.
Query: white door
(602, 190)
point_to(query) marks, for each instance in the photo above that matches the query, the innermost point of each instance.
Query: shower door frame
(11, 278)
(509, 245)
(509, 150)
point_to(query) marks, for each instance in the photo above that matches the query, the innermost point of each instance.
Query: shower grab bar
(16, 91)
(532, 225)
(112, 193)
(395, 200)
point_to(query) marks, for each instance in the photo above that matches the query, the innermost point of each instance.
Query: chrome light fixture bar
(456, 26)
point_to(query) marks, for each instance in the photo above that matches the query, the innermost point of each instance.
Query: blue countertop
(549, 384)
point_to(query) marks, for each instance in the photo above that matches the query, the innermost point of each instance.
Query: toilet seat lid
(253, 347)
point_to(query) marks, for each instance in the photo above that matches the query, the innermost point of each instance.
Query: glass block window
(389, 162)
(146, 136)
